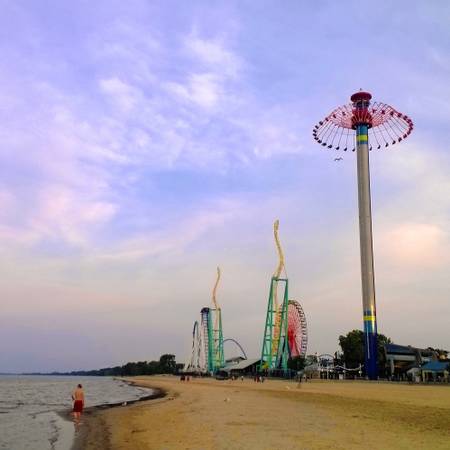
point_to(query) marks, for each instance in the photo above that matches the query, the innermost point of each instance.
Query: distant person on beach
(78, 401)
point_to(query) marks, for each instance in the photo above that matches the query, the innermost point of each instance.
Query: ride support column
(366, 249)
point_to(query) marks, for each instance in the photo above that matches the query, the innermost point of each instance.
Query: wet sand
(210, 414)
(92, 426)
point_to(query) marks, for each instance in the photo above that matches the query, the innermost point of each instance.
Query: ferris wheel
(297, 329)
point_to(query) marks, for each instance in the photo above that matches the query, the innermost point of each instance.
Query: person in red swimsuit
(78, 401)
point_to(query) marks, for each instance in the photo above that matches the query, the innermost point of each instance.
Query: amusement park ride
(212, 324)
(207, 355)
(348, 127)
(340, 130)
(285, 331)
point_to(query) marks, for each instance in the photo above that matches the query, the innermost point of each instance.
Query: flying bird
(338, 159)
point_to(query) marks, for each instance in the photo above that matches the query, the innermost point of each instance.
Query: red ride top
(361, 114)
(392, 126)
(361, 95)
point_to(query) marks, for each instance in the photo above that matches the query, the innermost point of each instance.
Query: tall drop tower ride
(212, 334)
(339, 130)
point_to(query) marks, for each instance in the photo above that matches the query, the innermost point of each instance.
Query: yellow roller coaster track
(279, 269)
(216, 314)
(214, 299)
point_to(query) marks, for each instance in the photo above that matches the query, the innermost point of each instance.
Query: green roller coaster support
(276, 358)
(218, 358)
(214, 335)
(208, 334)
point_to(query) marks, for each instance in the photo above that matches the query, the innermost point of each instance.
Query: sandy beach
(210, 414)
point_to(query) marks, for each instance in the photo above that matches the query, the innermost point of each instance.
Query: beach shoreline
(211, 414)
(92, 416)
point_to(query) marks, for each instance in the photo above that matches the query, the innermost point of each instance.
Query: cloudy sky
(144, 143)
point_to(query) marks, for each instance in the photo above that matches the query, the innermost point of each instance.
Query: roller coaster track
(237, 343)
(214, 299)
(278, 311)
(217, 334)
(196, 362)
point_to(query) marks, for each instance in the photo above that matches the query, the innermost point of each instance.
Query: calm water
(29, 407)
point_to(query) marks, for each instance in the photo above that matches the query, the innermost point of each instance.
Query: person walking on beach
(78, 401)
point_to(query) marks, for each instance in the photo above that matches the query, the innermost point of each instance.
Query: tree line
(166, 365)
(352, 355)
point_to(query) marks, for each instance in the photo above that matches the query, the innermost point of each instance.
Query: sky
(142, 144)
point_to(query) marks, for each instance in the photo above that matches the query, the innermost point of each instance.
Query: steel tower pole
(359, 116)
(366, 249)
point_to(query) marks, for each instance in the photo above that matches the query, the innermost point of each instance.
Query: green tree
(382, 341)
(296, 363)
(167, 363)
(352, 345)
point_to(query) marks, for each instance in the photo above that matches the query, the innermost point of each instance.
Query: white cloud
(205, 89)
(217, 70)
(124, 95)
(415, 245)
(419, 177)
(202, 89)
(215, 54)
(192, 110)
(63, 157)
(174, 239)
(56, 214)
(62, 213)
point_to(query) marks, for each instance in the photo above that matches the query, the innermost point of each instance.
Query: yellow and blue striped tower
(347, 127)
(362, 121)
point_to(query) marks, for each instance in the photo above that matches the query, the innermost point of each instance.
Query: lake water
(31, 407)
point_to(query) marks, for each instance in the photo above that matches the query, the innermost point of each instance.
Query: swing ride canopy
(387, 126)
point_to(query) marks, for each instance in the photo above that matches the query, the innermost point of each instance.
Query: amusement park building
(436, 371)
(402, 358)
(244, 367)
